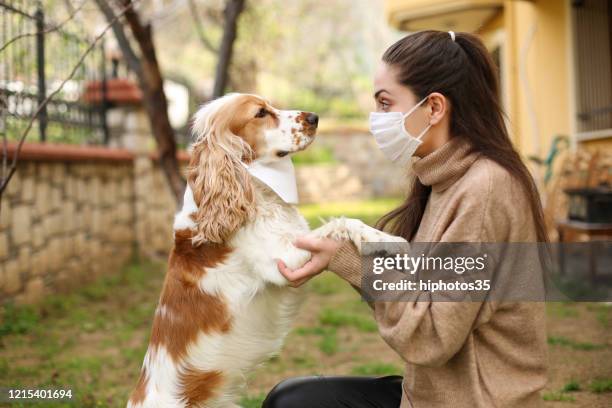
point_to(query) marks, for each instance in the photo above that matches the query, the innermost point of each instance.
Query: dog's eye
(261, 113)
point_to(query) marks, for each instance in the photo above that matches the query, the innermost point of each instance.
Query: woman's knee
(291, 393)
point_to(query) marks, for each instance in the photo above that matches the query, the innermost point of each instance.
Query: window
(592, 22)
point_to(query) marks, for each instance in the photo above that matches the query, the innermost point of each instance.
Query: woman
(470, 186)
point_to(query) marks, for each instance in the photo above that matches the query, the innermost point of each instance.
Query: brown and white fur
(224, 306)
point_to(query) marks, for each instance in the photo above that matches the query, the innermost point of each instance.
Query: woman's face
(392, 96)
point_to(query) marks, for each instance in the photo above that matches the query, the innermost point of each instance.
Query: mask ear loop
(423, 132)
(415, 107)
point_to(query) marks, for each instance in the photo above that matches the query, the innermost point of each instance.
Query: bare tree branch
(197, 22)
(69, 6)
(48, 29)
(6, 178)
(232, 11)
(3, 107)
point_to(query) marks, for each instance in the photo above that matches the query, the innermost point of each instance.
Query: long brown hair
(463, 71)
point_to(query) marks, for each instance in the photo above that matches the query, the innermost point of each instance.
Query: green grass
(571, 386)
(304, 361)
(603, 314)
(600, 385)
(252, 402)
(314, 155)
(329, 342)
(83, 340)
(376, 369)
(562, 310)
(17, 320)
(341, 318)
(327, 284)
(564, 341)
(558, 396)
(328, 337)
(367, 211)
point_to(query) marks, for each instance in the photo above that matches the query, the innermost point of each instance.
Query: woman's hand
(322, 250)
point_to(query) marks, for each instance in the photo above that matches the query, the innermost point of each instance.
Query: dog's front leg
(265, 263)
(356, 231)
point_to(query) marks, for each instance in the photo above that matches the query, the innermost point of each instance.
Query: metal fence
(36, 56)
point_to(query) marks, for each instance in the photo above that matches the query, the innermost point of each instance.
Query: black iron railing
(36, 55)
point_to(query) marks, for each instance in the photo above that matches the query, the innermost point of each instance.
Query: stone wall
(361, 171)
(71, 214)
(155, 208)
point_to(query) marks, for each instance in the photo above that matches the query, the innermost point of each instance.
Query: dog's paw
(296, 258)
(334, 229)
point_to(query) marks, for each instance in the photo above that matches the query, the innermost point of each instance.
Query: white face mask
(392, 137)
(279, 176)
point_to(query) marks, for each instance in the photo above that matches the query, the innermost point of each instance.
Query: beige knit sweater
(464, 354)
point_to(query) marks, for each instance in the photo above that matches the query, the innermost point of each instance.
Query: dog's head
(230, 131)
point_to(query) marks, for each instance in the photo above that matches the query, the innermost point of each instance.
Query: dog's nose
(312, 119)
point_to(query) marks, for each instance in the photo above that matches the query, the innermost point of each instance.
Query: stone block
(82, 191)
(123, 211)
(38, 235)
(71, 186)
(68, 216)
(43, 203)
(58, 174)
(39, 262)
(95, 191)
(4, 246)
(53, 224)
(25, 259)
(86, 217)
(56, 198)
(22, 224)
(28, 188)
(12, 277)
(96, 221)
(5, 214)
(126, 188)
(110, 193)
(44, 172)
(13, 189)
(80, 244)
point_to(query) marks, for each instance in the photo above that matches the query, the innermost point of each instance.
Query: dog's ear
(220, 183)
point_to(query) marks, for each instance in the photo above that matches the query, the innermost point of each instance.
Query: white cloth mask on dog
(392, 137)
(279, 175)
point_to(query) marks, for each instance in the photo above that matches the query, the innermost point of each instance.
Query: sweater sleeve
(346, 263)
(422, 331)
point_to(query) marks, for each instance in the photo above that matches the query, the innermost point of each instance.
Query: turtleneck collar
(442, 167)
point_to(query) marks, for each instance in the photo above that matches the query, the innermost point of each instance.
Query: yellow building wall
(537, 61)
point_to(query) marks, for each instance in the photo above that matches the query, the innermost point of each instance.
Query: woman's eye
(261, 113)
(384, 106)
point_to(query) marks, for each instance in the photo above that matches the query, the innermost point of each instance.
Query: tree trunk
(151, 83)
(232, 11)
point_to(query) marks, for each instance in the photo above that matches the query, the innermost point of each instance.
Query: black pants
(336, 392)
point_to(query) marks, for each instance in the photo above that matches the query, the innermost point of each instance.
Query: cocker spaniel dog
(224, 306)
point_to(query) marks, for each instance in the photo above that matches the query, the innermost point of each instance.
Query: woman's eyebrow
(379, 92)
